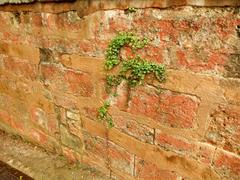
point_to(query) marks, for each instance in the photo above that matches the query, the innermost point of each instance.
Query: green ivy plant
(122, 39)
(130, 10)
(133, 70)
(104, 115)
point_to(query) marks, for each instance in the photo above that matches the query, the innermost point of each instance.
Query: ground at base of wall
(39, 164)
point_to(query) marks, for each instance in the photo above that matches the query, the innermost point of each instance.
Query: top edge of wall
(86, 7)
(3, 2)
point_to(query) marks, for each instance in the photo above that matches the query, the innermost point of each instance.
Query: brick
(60, 114)
(188, 39)
(79, 83)
(70, 155)
(205, 152)
(67, 81)
(7, 119)
(40, 117)
(169, 109)
(53, 125)
(188, 167)
(167, 29)
(118, 24)
(38, 136)
(227, 164)
(12, 37)
(70, 140)
(75, 128)
(130, 126)
(144, 103)
(122, 92)
(91, 161)
(13, 113)
(108, 153)
(21, 51)
(45, 121)
(192, 83)
(225, 26)
(65, 101)
(120, 158)
(223, 129)
(96, 147)
(53, 77)
(231, 90)
(196, 61)
(179, 110)
(36, 20)
(82, 63)
(147, 170)
(21, 69)
(176, 144)
(74, 115)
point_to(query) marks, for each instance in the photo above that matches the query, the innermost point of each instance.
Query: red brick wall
(52, 82)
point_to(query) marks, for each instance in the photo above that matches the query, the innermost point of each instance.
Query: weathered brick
(38, 136)
(65, 101)
(7, 119)
(118, 22)
(40, 117)
(96, 147)
(53, 125)
(70, 140)
(82, 63)
(36, 20)
(70, 155)
(225, 26)
(130, 126)
(231, 90)
(75, 128)
(205, 152)
(188, 39)
(179, 110)
(147, 170)
(176, 144)
(79, 83)
(73, 114)
(120, 158)
(67, 81)
(224, 130)
(19, 68)
(169, 109)
(45, 121)
(25, 52)
(13, 113)
(227, 164)
(189, 168)
(60, 114)
(195, 60)
(108, 153)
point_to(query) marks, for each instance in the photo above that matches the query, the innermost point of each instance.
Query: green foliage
(104, 115)
(122, 39)
(111, 81)
(130, 10)
(133, 71)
